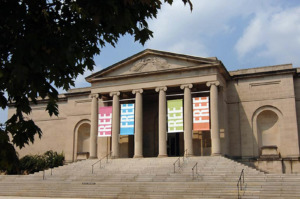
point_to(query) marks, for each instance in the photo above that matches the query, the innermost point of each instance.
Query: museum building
(159, 104)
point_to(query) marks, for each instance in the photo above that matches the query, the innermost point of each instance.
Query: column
(162, 122)
(215, 131)
(138, 126)
(94, 126)
(115, 124)
(188, 119)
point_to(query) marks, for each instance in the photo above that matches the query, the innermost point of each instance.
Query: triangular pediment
(151, 61)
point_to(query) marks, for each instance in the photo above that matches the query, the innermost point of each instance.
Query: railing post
(174, 166)
(240, 183)
(92, 168)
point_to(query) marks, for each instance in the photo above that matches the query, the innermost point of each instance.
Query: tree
(47, 43)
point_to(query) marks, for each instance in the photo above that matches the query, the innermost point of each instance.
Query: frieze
(150, 64)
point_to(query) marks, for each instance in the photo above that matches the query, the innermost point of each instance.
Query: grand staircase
(214, 177)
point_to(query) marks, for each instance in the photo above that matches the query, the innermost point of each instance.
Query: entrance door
(173, 144)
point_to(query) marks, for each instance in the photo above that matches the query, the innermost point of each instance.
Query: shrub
(34, 163)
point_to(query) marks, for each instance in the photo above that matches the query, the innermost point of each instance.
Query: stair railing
(178, 160)
(193, 169)
(184, 154)
(240, 183)
(99, 161)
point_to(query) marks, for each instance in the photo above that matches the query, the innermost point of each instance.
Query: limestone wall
(58, 132)
(247, 98)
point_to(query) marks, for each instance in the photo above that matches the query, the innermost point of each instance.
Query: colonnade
(162, 123)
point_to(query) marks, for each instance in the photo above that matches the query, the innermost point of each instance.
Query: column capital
(94, 95)
(183, 86)
(114, 93)
(163, 88)
(216, 83)
(137, 91)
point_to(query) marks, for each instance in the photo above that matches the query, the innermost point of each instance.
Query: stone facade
(254, 113)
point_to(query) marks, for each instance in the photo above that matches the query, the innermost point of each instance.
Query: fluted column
(215, 131)
(115, 124)
(94, 126)
(162, 123)
(188, 119)
(138, 126)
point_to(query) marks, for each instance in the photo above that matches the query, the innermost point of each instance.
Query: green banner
(175, 116)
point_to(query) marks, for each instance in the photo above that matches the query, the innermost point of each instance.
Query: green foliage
(49, 43)
(9, 160)
(34, 163)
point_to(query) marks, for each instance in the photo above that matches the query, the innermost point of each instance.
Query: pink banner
(104, 121)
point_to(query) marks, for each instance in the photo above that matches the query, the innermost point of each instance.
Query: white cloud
(274, 35)
(232, 30)
(177, 26)
(188, 47)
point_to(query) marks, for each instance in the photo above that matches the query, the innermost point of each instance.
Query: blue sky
(240, 33)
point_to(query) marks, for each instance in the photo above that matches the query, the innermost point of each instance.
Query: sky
(240, 33)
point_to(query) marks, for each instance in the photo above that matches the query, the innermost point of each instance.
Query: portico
(151, 74)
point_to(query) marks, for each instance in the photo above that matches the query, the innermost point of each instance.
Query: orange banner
(201, 113)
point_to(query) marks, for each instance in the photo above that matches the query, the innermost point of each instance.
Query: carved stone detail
(183, 86)
(115, 93)
(164, 88)
(150, 64)
(208, 84)
(137, 91)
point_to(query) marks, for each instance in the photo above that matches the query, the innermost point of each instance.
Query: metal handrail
(184, 154)
(99, 161)
(196, 165)
(240, 183)
(178, 160)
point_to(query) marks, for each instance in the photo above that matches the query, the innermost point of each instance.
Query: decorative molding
(50, 119)
(216, 83)
(114, 93)
(264, 83)
(82, 114)
(150, 64)
(39, 108)
(163, 88)
(137, 91)
(183, 86)
(83, 101)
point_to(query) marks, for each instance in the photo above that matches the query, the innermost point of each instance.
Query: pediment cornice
(151, 61)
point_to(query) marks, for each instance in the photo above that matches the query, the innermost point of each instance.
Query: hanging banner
(104, 121)
(201, 113)
(127, 119)
(175, 116)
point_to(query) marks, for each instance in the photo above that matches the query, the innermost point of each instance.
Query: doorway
(175, 144)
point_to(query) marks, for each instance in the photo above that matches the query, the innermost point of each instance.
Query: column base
(138, 156)
(216, 154)
(162, 156)
(93, 157)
